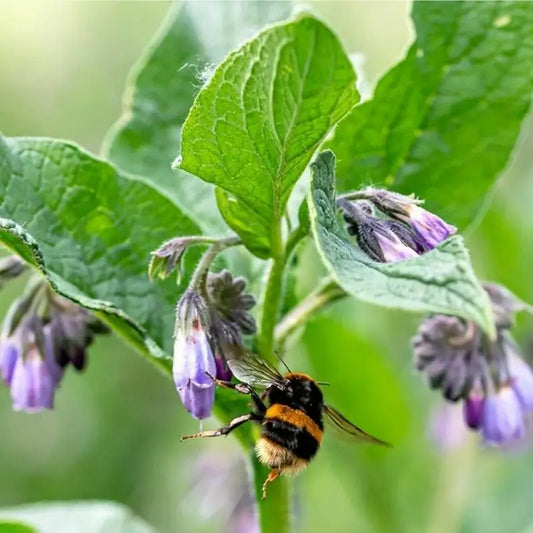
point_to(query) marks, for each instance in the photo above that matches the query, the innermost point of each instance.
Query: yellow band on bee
(296, 418)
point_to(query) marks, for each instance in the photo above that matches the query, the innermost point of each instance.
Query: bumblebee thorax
(299, 391)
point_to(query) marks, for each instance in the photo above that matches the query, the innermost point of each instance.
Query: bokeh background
(115, 431)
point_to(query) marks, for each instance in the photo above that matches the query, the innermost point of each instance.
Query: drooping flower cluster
(391, 227)
(209, 326)
(41, 334)
(489, 376)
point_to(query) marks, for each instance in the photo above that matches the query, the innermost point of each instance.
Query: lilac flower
(35, 378)
(381, 239)
(488, 375)
(521, 377)
(392, 248)
(193, 357)
(223, 372)
(41, 334)
(473, 408)
(9, 353)
(209, 327)
(503, 420)
(431, 229)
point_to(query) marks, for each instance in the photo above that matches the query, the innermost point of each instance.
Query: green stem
(292, 241)
(326, 293)
(270, 309)
(271, 300)
(200, 273)
(274, 511)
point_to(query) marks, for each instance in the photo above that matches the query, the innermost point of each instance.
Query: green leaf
(15, 527)
(81, 517)
(443, 122)
(254, 127)
(90, 229)
(162, 88)
(440, 281)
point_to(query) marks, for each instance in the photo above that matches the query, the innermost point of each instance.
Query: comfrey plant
(488, 375)
(282, 100)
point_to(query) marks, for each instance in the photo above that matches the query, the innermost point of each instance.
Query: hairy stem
(200, 273)
(294, 238)
(271, 300)
(324, 294)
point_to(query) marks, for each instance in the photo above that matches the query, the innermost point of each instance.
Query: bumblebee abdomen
(292, 430)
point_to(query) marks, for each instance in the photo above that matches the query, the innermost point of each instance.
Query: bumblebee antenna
(282, 361)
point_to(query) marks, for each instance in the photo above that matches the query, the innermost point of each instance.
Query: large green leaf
(195, 36)
(254, 127)
(90, 229)
(79, 517)
(443, 122)
(440, 281)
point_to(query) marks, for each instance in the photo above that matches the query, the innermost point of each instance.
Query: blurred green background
(115, 431)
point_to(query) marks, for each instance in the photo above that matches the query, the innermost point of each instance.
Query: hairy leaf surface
(440, 281)
(90, 229)
(255, 126)
(194, 37)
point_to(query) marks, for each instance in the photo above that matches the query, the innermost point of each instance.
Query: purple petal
(193, 360)
(521, 381)
(55, 370)
(198, 400)
(473, 408)
(393, 249)
(9, 353)
(223, 372)
(32, 384)
(503, 420)
(431, 229)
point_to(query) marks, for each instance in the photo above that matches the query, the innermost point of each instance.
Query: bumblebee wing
(254, 370)
(342, 424)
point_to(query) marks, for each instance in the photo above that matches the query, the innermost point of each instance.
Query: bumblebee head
(299, 391)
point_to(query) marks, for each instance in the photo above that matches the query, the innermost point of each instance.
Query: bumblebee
(291, 412)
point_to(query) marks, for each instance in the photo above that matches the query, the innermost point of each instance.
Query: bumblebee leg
(271, 477)
(242, 388)
(235, 423)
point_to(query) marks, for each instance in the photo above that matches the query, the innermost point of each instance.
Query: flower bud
(193, 357)
(382, 240)
(167, 257)
(430, 229)
(35, 378)
(227, 295)
(473, 408)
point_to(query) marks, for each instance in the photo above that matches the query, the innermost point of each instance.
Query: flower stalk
(325, 294)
